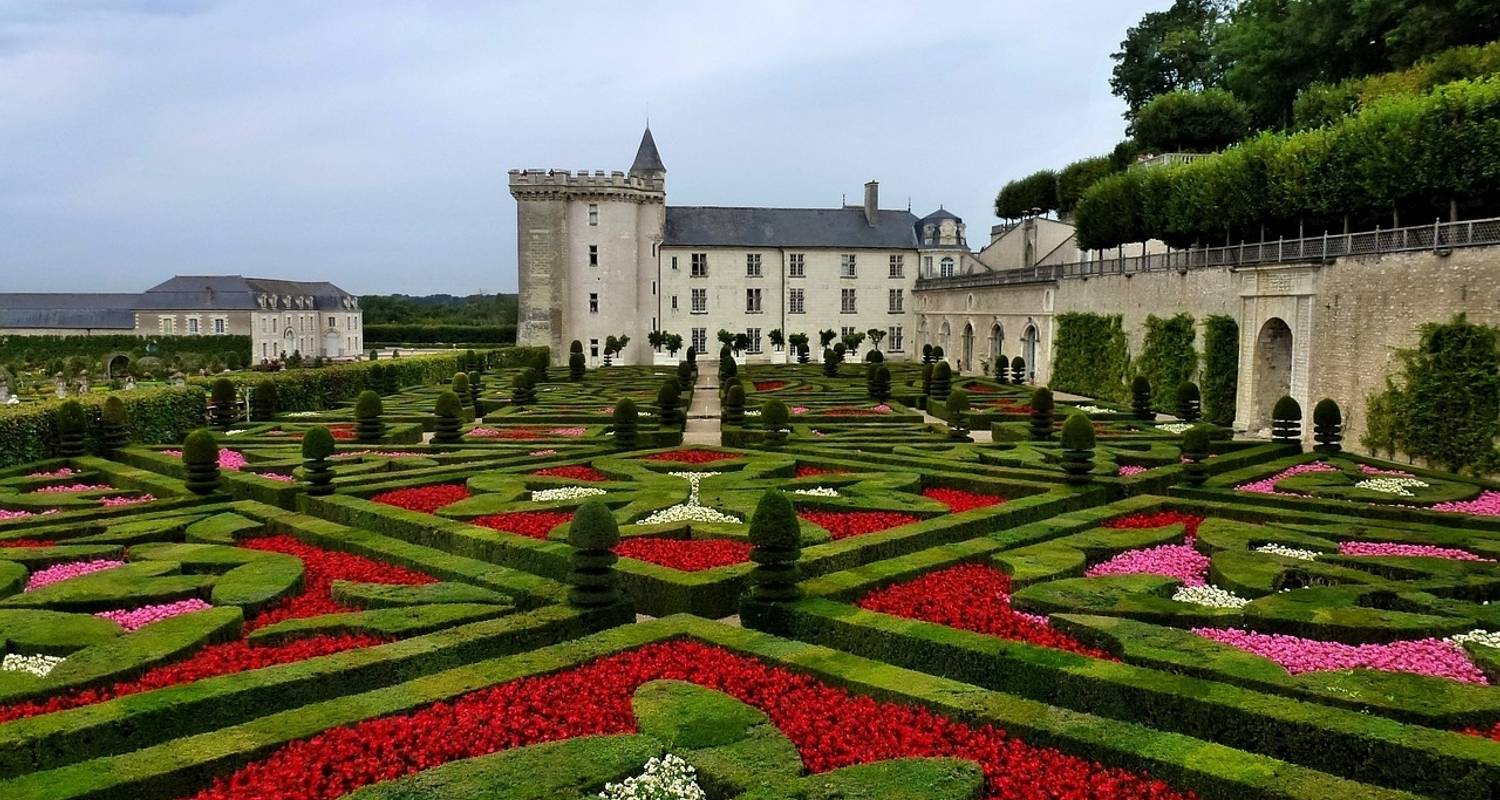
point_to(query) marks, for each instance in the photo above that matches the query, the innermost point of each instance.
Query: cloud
(368, 143)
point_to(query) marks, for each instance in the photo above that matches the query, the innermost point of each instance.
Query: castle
(602, 254)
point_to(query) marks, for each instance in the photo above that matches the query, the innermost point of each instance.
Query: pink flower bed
(71, 488)
(1487, 504)
(1127, 470)
(134, 619)
(228, 459)
(381, 453)
(5, 515)
(1390, 473)
(542, 453)
(125, 501)
(71, 569)
(1432, 657)
(1179, 561)
(484, 433)
(799, 409)
(1393, 549)
(57, 473)
(572, 433)
(278, 477)
(1268, 485)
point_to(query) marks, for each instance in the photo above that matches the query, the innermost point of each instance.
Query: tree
(673, 344)
(593, 533)
(611, 345)
(876, 336)
(1191, 122)
(656, 339)
(1035, 193)
(449, 412)
(741, 343)
(826, 337)
(367, 410)
(775, 547)
(726, 338)
(625, 424)
(1167, 51)
(778, 339)
(799, 342)
(317, 446)
(852, 341)
(1077, 177)
(200, 459)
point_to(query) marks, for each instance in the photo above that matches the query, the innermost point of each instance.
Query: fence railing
(1438, 236)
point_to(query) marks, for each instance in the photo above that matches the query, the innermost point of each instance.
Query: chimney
(872, 201)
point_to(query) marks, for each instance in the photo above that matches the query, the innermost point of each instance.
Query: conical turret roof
(646, 157)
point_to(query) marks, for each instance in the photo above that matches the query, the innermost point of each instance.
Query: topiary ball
(958, 401)
(368, 405)
(460, 384)
(1041, 399)
(200, 448)
(448, 405)
(1287, 408)
(1078, 432)
(774, 525)
(1195, 441)
(113, 411)
(774, 414)
(1326, 412)
(317, 444)
(594, 527)
(222, 392)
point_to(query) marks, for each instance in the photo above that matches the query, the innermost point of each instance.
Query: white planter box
(664, 359)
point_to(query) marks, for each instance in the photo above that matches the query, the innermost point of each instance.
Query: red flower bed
(1009, 406)
(958, 500)
(1490, 733)
(972, 597)
(28, 543)
(1159, 519)
(830, 727)
(576, 472)
(343, 432)
(692, 456)
(843, 524)
(211, 661)
(808, 470)
(688, 555)
(320, 569)
(534, 524)
(769, 386)
(426, 499)
(981, 388)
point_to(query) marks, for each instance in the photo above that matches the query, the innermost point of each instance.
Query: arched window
(946, 267)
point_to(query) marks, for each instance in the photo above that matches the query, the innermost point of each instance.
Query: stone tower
(586, 253)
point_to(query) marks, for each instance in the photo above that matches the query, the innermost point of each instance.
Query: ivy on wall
(1090, 355)
(1167, 356)
(1221, 368)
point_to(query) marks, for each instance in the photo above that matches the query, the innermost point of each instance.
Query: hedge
(1090, 355)
(1410, 155)
(1167, 356)
(1221, 368)
(395, 333)
(40, 349)
(1322, 104)
(153, 416)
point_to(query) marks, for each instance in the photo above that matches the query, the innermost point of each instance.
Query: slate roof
(941, 214)
(47, 310)
(646, 157)
(234, 293)
(721, 226)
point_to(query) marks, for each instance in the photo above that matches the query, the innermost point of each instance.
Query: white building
(602, 254)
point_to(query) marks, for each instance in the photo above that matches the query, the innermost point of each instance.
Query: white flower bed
(665, 778)
(1095, 410)
(1175, 427)
(818, 491)
(752, 412)
(690, 511)
(236, 431)
(1211, 596)
(1391, 485)
(565, 493)
(1289, 552)
(39, 666)
(302, 414)
(1477, 636)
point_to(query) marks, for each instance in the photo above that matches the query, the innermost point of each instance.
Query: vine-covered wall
(1221, 368)
(1167, 356)
(1090, 355)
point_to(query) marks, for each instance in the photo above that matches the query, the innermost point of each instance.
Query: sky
(367, 143)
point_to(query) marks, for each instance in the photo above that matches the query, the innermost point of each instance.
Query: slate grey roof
(940, 214)
(646, 157)
(234, 293)
(789, 227)
(48, 310)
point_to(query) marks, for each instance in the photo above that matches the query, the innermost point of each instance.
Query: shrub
(830, 363)
(577, 365)
(669, 401)
(926, 354)
(626, 422)
(1140, 398)
(1195, 444)
(539, 365)
(72, 424)
(957, 408)
(1221, 368)
(449, 412)
(225, 410)
(1041, 414)
(476, 386)
(942, 381)
(593, 534)
(927, 380)
(879, 384)
(1017, 370)
(460, 386)
(1191, 122)
(1189, 401)
(367, 411)
(775, 416)
(1002, 368)
(523, 388)
(776, 545)
(427, 333)
(1077, 448)
(114, 434)
(200, 460)
(684, 374)
(154, 416)
(1286, 421)
(1328, 426)
(734, 405)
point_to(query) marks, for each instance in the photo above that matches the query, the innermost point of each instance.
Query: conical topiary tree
(1140, 398)
(880, 383)
(390, 380)
(1189, 401)
(775, 547)
(775, 417)
(1018, 370)
(1286, 421)
(958, 410)
(926, 380)
(1042, 407)
(804, 353)
(728, 370)
(942, 381)
(375, 376)
(1077, 448)
(72, 425)
(926, 354)
(577, 364)
(476, 388)
(449, 427)
(200, 460)
(1328, 426)
(114, 431)
(593, 534)
(734, 405)
(1195, 444)
(264, 400)
(369, 427)
(1002, 368)
(830, 363)
(669, 403)
(317, 446)
(626, 424)
(684, 375)
(523, 388)
(540, 364)
(224, 412)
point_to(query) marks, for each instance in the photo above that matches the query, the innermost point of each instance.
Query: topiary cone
(449, 426)
(1041, 414)
(1140, 398)
(626, 424)
(1078, 449)
(1328, 426)
(593, 535)
(1286, 421)
(200, 459)
(369, 427)
(224, 404)
(942, 381)
(776, 546)
(114, 434)
(72, 424)
(1195, 444)
(1189, 401)
(317, 446)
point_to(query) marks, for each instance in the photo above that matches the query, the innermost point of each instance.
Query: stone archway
(1272, 369)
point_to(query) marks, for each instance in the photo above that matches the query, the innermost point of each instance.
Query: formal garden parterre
(487, 576)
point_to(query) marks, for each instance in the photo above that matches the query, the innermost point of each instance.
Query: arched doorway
(1028, 351)
(997, 342)
(944, 334)
(1273, 368)
(289, 342)
(968, 359)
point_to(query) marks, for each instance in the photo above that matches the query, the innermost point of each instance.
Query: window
(700, 340)
(593, 255)
(796, 265)
(699, 265)
(219, 325)
(847, 266)
(893, 340)
(168, 325)
(593, 213)
(674, 263)
(847, 330)
(898, 300)
(752, 301)
(333, 322)
(927, 266)
(752, 265)
(794, 302)
(700, 301)
(947, 267)
(593, 302)
(846, 301)
(193, 325)
(674, 302)
(753, 334)
(898, 266)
